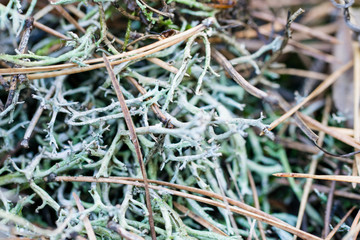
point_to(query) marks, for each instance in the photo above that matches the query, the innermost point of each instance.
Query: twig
(325, 189)
(329, 205)
(169, 15)
(340, 178)
(322, 87)
(21, 49)
(198, 219)
(156, 109)
(275, 99)
(68, 17)
(87, 224)
(43, 27)
(238, 78)
(50, 30)
(123, 233)
(259, 215)
(352, 233)
(256, 202)
(231, 216)
(296, 26)
(334, 230)
(354, 223)
(135, 141)
(125, 13)
(35, 119)
(131, 55)
(356, 50)
(330, 131)
(156, 61)
(300, 73)
(42, 12)
(313, 165)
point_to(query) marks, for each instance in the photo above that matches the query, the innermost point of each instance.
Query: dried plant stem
(256, 202)
(156, 109)
(340, 178)
(68, 17)
(122, 232)
(198, 219)
(329, 205)
(134, 54)
(87, 224)
(35, 118)
(354, 224)
(351, 235)
(236, 76)
(356, 50)
(322, 87)
(42, 27)
(156, 61)
(313, 165)
(332, 233)
(330, 131)
(325, 189)
(165, 14)
(34, 228)
(135, 141)
(256, 214)
(300, 73)
(43, 12)
(50, 30)
(296, 26)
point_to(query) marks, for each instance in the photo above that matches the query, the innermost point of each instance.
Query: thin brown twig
(356, 50)
(87, 224)
(334, 230)
(131, 55)
(94, 66)
(126, 14)
(322, 87)
(313, 165)
(351, 234)
(237, 77)
(312, 123)
(230, 214)
(156, 61)
(156, 109)
(256, 214)
(329, 205)
(311, 51)
(256, 202)
(300, 73)
(68, 17)
(299, 146)
(345, 131)
(142, 38)
(233, 179)
(296, 26)
(123, 233)
(50, 30)
(340, 178)
(353, 225)
(198, 219)
(43, 27)
(276, 100)
(324, 189)
(135, 141)
(29, 24)
(165, 14)
(43, 11)
(35, 119)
